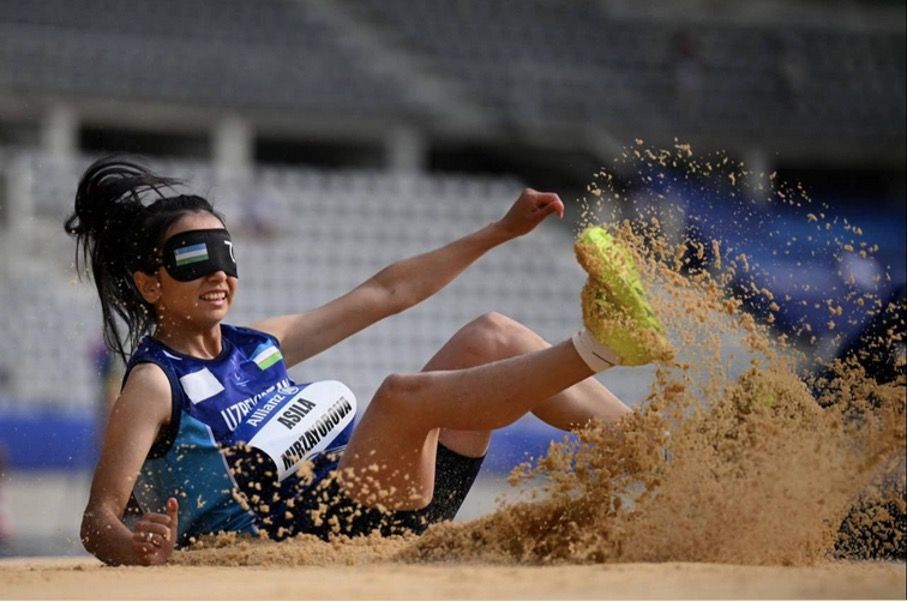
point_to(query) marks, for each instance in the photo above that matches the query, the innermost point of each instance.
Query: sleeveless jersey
(243, 396)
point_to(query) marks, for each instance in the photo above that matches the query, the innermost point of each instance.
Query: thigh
(390, 459)
(488, 338)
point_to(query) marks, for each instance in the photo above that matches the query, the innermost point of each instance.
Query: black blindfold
(196, 253)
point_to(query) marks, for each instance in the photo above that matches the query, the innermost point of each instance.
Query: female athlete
(210, 434)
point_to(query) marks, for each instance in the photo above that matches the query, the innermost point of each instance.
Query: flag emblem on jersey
(191, 254)
(200, 385)
(266, 355)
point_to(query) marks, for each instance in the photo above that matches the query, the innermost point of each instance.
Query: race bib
(298, 423)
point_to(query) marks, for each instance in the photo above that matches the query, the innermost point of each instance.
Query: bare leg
(488, 375)
(494, 336)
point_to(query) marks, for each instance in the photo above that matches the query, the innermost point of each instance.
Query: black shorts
(323, 509)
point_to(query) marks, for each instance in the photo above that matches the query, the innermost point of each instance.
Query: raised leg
(488, 375)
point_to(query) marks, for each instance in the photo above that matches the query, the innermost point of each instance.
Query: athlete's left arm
(405, 283)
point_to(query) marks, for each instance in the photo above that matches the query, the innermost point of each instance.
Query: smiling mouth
(216, 296)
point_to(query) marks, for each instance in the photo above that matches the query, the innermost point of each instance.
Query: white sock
(596, 355)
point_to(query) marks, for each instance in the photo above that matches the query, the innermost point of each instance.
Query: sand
(85, 579)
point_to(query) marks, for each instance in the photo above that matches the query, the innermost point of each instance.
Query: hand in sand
(155, 535)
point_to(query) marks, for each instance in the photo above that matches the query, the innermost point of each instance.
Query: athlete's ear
(147, 285)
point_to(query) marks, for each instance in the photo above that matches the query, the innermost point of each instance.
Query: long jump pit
(751, 470)
(83, 579)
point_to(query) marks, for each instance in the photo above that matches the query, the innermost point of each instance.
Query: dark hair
(117, 234)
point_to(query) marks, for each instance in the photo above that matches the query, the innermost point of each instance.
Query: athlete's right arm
(143, 408)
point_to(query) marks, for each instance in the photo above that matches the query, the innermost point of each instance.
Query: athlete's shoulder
(245, 334)
(147, 389)
(149, 375)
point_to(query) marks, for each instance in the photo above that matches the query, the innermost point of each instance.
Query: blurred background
(338, 136)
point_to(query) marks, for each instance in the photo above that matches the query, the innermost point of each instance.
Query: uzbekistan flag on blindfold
(191, 254)
(266, 355)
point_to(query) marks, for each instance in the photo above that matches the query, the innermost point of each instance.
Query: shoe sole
(616, 309)
(613, 266)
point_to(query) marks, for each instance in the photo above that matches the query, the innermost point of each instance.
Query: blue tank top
(244, 395)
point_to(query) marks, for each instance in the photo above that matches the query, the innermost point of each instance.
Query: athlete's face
(201, 303)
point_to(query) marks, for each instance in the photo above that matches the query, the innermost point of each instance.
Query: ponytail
(117, 234)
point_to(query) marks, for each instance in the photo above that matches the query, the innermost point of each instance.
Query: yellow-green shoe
(615, 307)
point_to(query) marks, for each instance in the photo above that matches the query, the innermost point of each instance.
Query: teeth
(214, 296)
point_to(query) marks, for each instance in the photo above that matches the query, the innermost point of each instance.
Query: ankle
(596, 355)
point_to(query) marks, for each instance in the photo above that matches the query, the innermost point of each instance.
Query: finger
(551, 204)
(541, 199)
(544, 198)
(144, 552)
(152, 524)
(173, 509)
(557, 207)
(156, 528)
(145, 538)
(161, 519)
(147, 543)
(142, 540)
(157, 533)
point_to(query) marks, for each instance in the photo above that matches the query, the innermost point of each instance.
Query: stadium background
(337, 136)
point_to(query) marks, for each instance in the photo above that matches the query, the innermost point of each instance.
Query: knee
(494, 336)
(398, 392)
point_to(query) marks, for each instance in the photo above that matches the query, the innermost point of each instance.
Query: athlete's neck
(204, 344)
